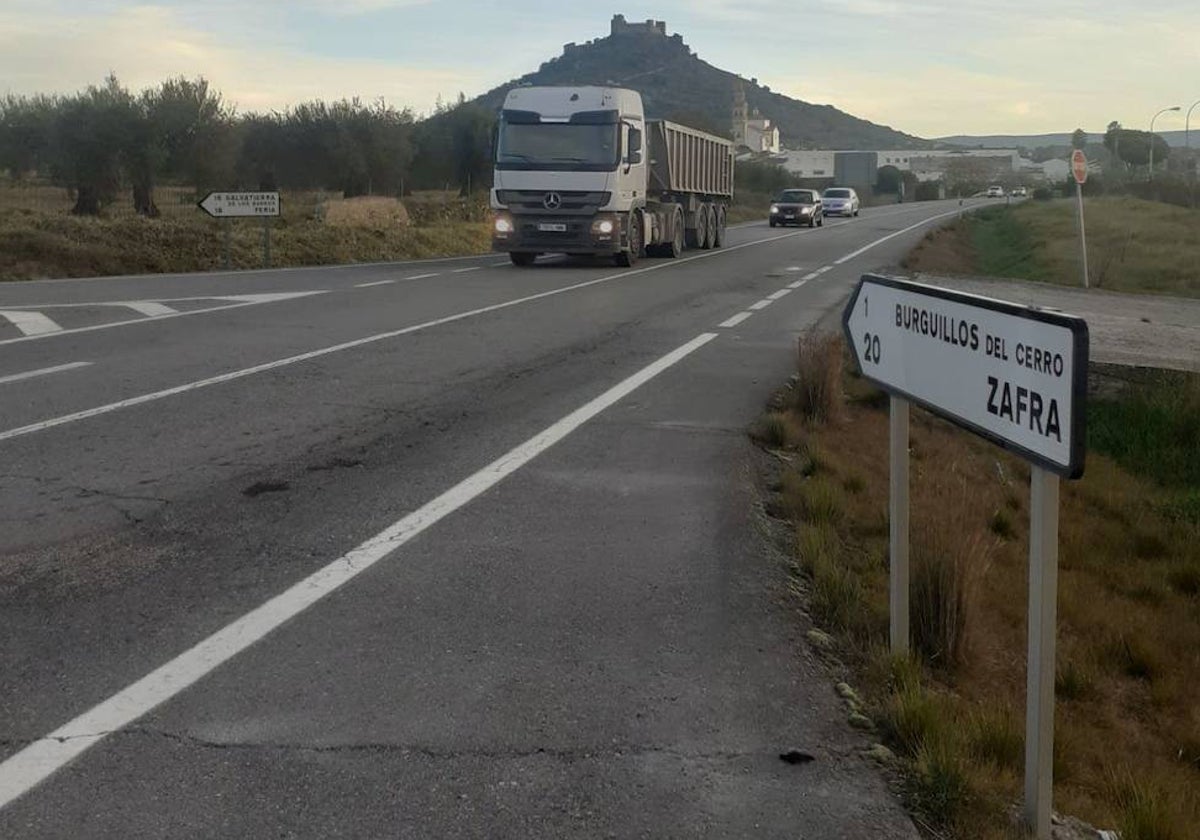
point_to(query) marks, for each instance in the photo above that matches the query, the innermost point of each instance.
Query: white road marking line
(823, 269)
(30, 323)
(497, 265)
(812, 275)
(237, 301)
(149, 308)
(26, 769)
(30, 374)
(779, 294)
(422, 276)
(871, 245)
(267, 297)
(793, 268)
(762, 304)
(797, 284)
(376, 283)
(465, 270)
(735, 320)
(358, 342)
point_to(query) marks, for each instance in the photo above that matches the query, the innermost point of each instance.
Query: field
(39, 237)
(1133, 245)
(1127, 748)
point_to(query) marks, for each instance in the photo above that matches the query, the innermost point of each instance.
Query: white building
(754, 132)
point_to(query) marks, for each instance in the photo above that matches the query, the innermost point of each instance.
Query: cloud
(145, 44)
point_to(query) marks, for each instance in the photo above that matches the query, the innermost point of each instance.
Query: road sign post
(1080, 171)
(1017, 376)
(241, 205)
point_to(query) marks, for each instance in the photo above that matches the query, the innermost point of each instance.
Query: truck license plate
(552, 227)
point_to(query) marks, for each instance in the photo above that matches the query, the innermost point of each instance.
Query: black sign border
(1079, 377)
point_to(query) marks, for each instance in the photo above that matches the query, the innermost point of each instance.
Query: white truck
(579, 170)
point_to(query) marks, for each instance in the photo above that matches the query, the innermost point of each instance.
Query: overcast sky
(930, 67)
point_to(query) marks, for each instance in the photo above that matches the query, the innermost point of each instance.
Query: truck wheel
(629, 257)
(522, 257)
(675, 247)
(707, 226)
(719, 236)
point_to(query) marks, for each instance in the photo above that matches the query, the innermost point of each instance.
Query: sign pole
(1080, 171)
(1043, 614)
(266, 241)
(228, 231)
(1082, 234)
(898, 525)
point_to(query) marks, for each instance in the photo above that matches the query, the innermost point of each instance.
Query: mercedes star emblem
(552, 201)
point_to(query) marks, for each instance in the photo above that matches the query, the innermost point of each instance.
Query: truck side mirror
(635, 146)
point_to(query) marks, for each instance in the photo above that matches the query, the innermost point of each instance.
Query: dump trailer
(579, 170)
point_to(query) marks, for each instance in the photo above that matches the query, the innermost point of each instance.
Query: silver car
(840, 201)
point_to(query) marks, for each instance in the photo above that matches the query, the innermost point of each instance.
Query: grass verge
(1127, 751)
(1133, 245)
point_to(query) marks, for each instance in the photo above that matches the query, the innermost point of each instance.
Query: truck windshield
(568, 146)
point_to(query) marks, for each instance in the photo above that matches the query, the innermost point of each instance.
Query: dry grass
(1133, 245)
(36, 245)
(1129, 622)
(369, 212)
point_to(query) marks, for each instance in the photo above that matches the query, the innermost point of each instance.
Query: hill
(676, 84)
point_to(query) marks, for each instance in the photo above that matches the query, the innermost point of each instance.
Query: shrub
(945, 568)
(818, 394)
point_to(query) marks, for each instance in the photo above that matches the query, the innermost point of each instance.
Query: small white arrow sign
(1014, 374)
(240, 204)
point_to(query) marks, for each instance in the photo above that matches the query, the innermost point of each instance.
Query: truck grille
(571, 201)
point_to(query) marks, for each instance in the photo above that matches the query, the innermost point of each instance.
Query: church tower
(741, 114)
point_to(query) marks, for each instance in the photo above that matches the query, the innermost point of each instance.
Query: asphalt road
(438, 549)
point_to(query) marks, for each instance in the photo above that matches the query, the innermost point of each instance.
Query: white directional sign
(1014, 374)
(240, 204)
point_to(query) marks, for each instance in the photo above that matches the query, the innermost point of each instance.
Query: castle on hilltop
(650, 27)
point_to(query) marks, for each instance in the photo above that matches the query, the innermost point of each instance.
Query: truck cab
(570, 167)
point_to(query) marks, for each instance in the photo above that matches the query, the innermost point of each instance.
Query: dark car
(797, 207)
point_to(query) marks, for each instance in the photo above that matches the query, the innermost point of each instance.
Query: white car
(995, 191)
(840, 201)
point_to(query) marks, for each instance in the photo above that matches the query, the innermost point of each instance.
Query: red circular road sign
(1079, 166)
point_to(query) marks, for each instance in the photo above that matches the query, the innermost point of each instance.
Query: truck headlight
(503, 224)
(604, 226)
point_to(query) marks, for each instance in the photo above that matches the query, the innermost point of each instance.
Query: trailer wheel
(522, 257)
(719, 234)
(630, 256)
(704, 228)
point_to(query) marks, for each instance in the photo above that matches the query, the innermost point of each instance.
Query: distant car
(1018, 192)
(797, 207)
(995, 191)
(840, 201)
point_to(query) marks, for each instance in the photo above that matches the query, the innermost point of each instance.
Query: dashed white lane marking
(465, 270)
(30, 323)
(797, 284)
(761, 304)
(376, 283)
(422, 276)
(33, 764)
(793, 268)
(498, 264)
(235, 302)
(735, 320)
(151, 308)
(823, 269)
(30, 374)
(779, 294)
(812, 275)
